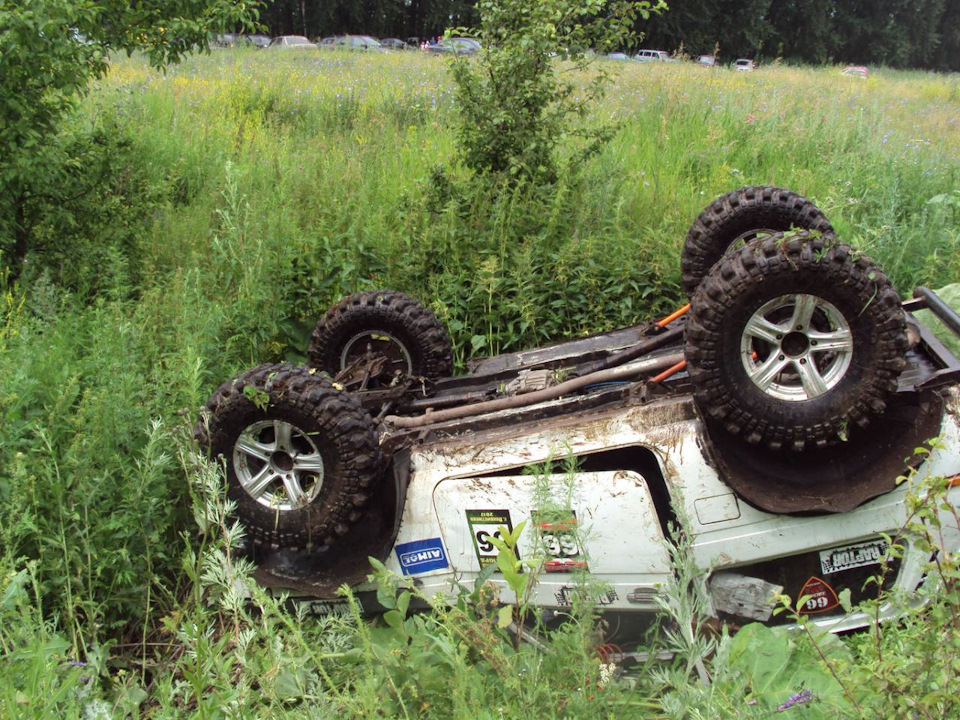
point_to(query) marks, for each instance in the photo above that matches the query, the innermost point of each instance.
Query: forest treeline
(900, 33)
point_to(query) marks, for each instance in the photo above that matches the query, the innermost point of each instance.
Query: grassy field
(248, 191)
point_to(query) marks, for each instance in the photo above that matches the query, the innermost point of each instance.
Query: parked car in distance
(294, 42)
(225, 40)
(653, 56)
(395, 44)
(706, 60)
(352, 42)
(258, 41)
(744, 65)
(857, 71)
(455, 45)
(617, 56)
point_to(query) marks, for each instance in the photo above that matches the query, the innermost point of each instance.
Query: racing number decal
(484, 525)
(561, 543)
(821, 597)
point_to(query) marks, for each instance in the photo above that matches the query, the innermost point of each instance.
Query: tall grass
(250, 191)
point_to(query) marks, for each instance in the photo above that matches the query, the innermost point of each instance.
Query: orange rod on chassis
(672, 370)
(673, 316)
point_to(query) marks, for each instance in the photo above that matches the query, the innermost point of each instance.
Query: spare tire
(793, 339)
(740, 216)
(300, 455)
(386, 331)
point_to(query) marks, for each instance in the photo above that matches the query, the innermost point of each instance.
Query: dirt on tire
(404, 318)
(337, 425)
(735, 216)
(762, 270)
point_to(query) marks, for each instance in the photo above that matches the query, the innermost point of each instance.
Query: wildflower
(607, 673)
(750, 119)
(800, 698)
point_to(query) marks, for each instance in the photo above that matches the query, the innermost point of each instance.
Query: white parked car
(857, 71)
(652, 56)
(744, 65)
(295, 42)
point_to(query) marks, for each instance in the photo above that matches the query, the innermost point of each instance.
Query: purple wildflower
(801, 698)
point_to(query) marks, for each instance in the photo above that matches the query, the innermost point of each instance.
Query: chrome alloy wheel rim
(796, 347)
(278, 464)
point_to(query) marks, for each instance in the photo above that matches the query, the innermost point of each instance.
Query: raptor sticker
(821, 597)
(852, 556)
(337, 608)
(421, 556)
(486, 524)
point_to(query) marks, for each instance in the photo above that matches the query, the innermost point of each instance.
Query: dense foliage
(899, 33)
(49, 51)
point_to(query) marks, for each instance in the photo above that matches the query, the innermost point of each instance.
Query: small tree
(51, 49)
(516, 103)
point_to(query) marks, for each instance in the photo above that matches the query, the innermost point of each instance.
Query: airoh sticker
(821, 597)
(421, 556)
(484, 525)
(852, 556)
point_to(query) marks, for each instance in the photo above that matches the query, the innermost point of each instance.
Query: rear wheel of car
(300, 455)
(372, 340)
(792, 340)
(739, 216)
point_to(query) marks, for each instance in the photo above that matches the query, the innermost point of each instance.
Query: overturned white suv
(774, 413)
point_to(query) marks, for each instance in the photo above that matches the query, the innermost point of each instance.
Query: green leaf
(403, 602)
(504, 616)
(844, 597)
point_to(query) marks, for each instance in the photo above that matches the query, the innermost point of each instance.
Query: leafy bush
(514, 107)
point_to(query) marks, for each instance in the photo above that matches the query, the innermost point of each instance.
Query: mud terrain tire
(739, 216)
(793, 340)
(301, 456)
(394, 321)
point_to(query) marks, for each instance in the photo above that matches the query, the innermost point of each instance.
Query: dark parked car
(225, 40)
(455, 45)
(395, 44)
(258, 41)
(352, 42)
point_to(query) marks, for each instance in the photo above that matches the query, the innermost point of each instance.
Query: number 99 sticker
(485, 525)
(560, 539)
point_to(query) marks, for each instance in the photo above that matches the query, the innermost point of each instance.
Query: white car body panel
(624, 540)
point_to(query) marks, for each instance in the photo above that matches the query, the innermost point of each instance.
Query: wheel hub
(374, 359)
(281, 461)
(795, 344)
(796, 347)
(278, 464)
